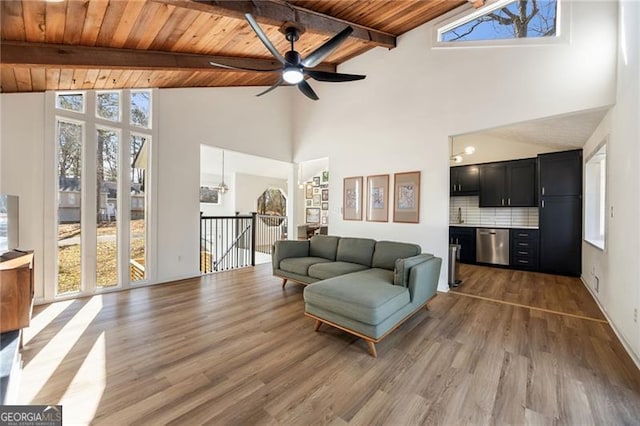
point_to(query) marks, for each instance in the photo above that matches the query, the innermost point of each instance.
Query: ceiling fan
(294, 68)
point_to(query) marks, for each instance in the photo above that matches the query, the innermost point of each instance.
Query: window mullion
(124, 222)
(89, 199)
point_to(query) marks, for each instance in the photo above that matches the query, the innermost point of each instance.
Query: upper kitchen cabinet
(521, 181)
(561, 173)
(508, 184)
(465, 180)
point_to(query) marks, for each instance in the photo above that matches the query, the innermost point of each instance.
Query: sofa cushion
(300, 265)
(324, 246)
(403, 267)
(357, 296)
(333, 269)
(377, 274)
(356, 250)
(386, 253)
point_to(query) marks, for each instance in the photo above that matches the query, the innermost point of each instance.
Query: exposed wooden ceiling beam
(59, 55)
(275, 12)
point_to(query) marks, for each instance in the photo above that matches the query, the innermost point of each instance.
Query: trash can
(454, 257)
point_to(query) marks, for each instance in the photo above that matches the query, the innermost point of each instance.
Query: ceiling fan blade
(333, 76)
(231, 67)
(325, 50)
(280, 81)
(307, 90)
(263, 37)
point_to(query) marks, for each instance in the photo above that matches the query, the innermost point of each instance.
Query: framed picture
(308, 191)
(316, 181)
(309, 203)
(325, 177)
(324, 220)
(352, 198)
(406, 197)
(325, 195)
(316, 200)
(316, 190)
(313, 215)
(378, 198)
(209, 194)
(325, 206)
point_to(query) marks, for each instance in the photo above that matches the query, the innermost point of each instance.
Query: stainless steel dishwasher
(492, 246)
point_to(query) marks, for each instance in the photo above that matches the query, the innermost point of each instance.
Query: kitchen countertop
(477, 225)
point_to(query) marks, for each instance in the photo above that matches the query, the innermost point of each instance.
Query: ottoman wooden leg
(284, 282)
(317, 326)
(372, 349)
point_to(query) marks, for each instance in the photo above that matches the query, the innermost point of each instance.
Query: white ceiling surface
(566, 131)
(237, 162)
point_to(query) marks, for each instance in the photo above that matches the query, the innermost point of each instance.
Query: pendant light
(222, 187)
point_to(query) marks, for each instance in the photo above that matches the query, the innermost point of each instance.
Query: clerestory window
(503, 20)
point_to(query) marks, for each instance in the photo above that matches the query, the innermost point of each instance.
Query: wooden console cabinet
(16, 290)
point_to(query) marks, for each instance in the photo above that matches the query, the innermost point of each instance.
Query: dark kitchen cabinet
(524, 249)
(521, 183)
(493, 179)
(560, 173)
(561, 235)
(560, 221)
(508, 184)
(464, 180)
(466, 238)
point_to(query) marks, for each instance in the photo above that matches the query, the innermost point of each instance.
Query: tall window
(103, 146)
(70, 138)
(505, 19)
(595, 197)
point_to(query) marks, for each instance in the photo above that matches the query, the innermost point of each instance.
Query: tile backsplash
(498, 216)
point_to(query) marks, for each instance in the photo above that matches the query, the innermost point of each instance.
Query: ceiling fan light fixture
(457, 158)
(292, 75)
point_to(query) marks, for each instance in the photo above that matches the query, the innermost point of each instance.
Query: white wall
(229, 118)
(401, 116)
(21, 165)
(617, 266)
(251, 187)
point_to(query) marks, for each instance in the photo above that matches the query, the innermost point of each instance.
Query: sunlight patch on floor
(82, 398)
(44, 364)
(43, 319)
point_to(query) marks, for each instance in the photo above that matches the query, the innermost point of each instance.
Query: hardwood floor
(235, 348)
(553, 293)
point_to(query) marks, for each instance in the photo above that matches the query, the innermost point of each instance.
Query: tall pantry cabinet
(560, 208)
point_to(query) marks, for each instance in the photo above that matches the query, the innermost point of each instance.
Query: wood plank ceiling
(102, 44)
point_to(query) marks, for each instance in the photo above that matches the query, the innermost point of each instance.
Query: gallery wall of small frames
(371, 198)
(316, 194)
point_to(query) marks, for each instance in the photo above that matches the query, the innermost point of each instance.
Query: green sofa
(359, 285)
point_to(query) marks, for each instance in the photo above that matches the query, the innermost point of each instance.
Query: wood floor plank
(235, 348)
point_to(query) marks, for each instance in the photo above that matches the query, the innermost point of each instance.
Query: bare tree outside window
(519, 19)
(272, 202)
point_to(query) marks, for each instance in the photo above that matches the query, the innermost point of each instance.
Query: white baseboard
(624, 342)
